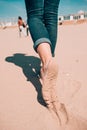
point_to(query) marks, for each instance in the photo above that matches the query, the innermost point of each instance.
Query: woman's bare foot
(49, 74)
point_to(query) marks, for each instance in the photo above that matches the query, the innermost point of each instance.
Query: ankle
(46, 63)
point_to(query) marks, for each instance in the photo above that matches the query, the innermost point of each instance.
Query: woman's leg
(42, 43)
(38, 31)
(51, 21)
(41, 31)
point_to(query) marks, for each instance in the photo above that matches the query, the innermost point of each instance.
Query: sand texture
(21, 103)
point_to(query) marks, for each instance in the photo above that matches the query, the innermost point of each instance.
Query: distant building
(81, 15)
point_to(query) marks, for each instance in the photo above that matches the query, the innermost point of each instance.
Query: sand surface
(21, 104)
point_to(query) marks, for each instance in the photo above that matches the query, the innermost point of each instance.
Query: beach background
(21, 103)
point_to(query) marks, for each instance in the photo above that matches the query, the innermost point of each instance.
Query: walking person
(22, 26)
(42, 18)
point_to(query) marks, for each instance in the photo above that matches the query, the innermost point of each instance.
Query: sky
(15, 8)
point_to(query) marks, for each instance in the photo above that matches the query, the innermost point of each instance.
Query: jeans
(42, 18)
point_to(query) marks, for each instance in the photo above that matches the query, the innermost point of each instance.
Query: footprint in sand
(67, 87)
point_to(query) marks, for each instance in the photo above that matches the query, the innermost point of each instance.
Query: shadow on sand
(31, 68)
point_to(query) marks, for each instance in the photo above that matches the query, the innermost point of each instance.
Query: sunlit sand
(21, 103)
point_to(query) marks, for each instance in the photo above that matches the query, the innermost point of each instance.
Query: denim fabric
(42, 20)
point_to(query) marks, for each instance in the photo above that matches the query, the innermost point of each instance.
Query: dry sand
(21, 104)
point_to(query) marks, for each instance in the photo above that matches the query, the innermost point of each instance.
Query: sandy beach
(21, 103)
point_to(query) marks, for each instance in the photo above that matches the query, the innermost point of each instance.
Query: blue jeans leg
(42, 21)
(51, 20)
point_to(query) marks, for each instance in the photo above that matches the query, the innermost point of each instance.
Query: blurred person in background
(23, 27)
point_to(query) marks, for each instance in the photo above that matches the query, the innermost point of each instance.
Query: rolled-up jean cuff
(41, 40)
